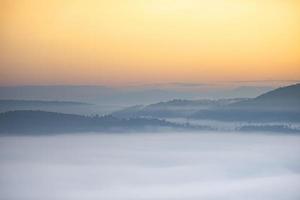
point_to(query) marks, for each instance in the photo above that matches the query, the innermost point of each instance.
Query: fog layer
(187, 166)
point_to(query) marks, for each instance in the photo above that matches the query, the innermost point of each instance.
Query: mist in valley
(161, 166)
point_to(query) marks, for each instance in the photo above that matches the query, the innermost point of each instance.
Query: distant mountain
(247, 91)
(173, 108)
(70, 107)
(101, 95)
(129, 95)
(282, 104)
(85, 93)
(283, 98)
(14, 102)
(40, 122)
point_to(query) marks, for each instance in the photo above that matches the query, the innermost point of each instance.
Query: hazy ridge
(280, 105)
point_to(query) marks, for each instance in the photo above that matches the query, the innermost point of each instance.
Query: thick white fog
(166, 166)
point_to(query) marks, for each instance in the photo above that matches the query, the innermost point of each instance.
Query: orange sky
(117, 42)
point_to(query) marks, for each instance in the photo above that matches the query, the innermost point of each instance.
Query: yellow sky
(118, 42)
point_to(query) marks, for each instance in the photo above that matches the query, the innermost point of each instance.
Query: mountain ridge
(29, 121)
(282, 98)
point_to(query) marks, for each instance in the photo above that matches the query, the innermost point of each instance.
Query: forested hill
(50, 122)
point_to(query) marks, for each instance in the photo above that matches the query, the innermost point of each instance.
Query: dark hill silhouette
(41, 122)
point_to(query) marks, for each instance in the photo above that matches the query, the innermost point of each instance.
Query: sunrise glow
(119, 42)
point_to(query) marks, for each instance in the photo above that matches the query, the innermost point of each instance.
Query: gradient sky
(119, 42)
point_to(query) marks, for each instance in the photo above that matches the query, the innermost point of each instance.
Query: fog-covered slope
(283, 98)
(248, 115)
(282, 104)
(173, 108)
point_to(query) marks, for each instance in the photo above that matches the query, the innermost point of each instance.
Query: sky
(123, 42)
